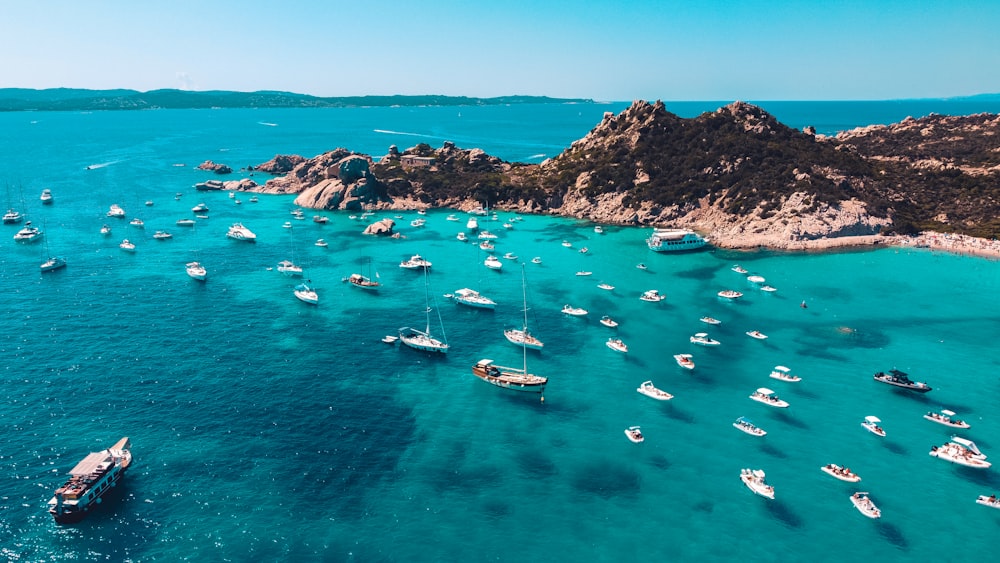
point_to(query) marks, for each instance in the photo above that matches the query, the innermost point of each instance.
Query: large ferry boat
(89, 481)
(674, 240)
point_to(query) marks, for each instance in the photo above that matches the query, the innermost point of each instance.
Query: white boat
(842, 473)
(648, 389)
(652, 296)
(232, 195)
(127, 246)
(418, 222)
(605, 286)
(472, 224)
(390, 339)
(598, 229)
(584, 273)
(508, 225)
(617, 345)
(674, 240)
(253, 199)
(461, 237)
(739, 269)
(510, 256)
(472, 298)
(321, 243)
(286, 225)
(362, 282)
(521, 337)
(865, 505)
(710, 321)
(768, 397)
(784, 374)
(756, 279)
(321, 219)
(415, 262)
(12, 217)
(239, 232)
(634, 434)
(137, 223)
(46, 197)
(768, 288)
(452, 217)
(289, 268)
(105, 230)
(29, 233)
(754, 480)
(567, 244)
(641, 266)
(53, 263)
(584, 250)
(422, 339)
(486, 245)
(608, 322)
(871, 425)
(536, 260)
(945, 418)
(702, 339)
(574, 311)
(162, 235)
(196, 270)
(756, 334)
(493, 263)
(306, 294)
(185, 222)
(684, 360)
(200, 208)
(961, 451)
(486, 235)
(730, 294)
(991, 501)
(116, 211)
(744, 424)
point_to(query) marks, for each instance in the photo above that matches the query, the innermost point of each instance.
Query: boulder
(281, 164)
(380, 228)
(215, 167)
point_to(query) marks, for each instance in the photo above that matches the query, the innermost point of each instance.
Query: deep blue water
(266, 429)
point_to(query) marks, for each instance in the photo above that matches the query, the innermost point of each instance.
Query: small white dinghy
(865, 505)
(991, 501)
(871, 425)
(617, 345)
(608, 322)
(634, 434)
(648, 389)
(684, 360)
(744, 424)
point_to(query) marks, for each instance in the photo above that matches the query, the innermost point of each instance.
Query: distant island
(72, 99)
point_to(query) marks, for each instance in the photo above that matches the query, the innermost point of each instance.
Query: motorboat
(754, 480)
(508, 225)
(617, 345)
(461, 237)
(46, 197)
(768, 288)
(452, 217)
(991, 501)
(472, 298)
(900, 379)
(536, 260)
(321, 243)
(137, 223)
(945, 418)
(116, 211)
(12, 217)
(362, 282)
(756, 279)
(648, 389)
(684, 360)
(510, 256)
(390, 339)
(89, 481)
(567, 244)
(232, 195)
(486, 235)
(784, 374)
(585, 273)
(127, 246)
(289, 268)
(286, 225)
(768, 397)
(641, 266)
(321, 219)
(254, 199)
(756, 334)
(739, 269)
(185, 222)
(493, 263)
(652, 296)
(105, 230)
(730, 294)
(702, 339)
(574, 311)
(598, 229)
(196, 270)
(865, 506)
(961, 451)
(306, 294)
(710, 321)
(871, 424)
(608, 322)
(419, 222)
(53, 263)
(514, 379)
(162, 235)
(472, 224)
(674, 240)
(416, 262)
(842, 473)
(486, 245)
(200, 208)
(634, 434)
(584, 250)
(239, 232)
(743, 424)
(29, 233)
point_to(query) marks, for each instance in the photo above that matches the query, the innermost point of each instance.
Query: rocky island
(736, 174)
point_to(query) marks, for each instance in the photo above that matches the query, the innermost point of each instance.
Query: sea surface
(266, 429)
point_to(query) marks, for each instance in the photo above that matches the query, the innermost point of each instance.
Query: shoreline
(962, 245)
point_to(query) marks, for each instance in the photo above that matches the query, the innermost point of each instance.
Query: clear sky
(600, 49)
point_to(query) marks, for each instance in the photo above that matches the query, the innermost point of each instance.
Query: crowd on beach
(955, 243)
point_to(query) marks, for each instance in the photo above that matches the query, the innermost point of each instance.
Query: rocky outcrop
(281, 164)
(241, 185)
(380, 228)
(339, 179)
(214, 167)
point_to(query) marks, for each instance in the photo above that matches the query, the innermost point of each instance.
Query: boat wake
(101, 165)
(538, 156)
(390, 132)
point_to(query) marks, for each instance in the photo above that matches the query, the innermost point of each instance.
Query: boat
(185, 222)
(105, 230)
(609, 322)
(584, 250)
(617, 345)
(116, 211)
(461, 237)
(29, 233)
(12, 217)
(510, 256)
(536, 260)
(254, 199)
(702, 339)
(756, 279)
(508, 225)
(514, 379)
(684, 360)
(567, 244)
(472, 298)
(422, 339)
(871, 425)
(451, 217)
(574, 311)
(652, 296)
(739, 269)
(584, 273)
(641, 266)
(842, 473)
(321, 243)
(127, 246)
(418, 222)
(991, 501)
(472, 224)
(289, 268)
(196, 270)
(945, 418)
(162, 235)
(363, 282)
(306, 294)
(486, 235)
(900, 379)
(768, 288)
(209, 186)
(521, 336)
(756, 334)
(754, 480)
(53, 263)
(200, 208)
(137, 223)
(415, 262)
(321, 219)
(634, 434)
(239, 232)
(493, 263)
(730, 294)
(46, 197)
(486, 245)
(89, 481)
(605, 286)
(865, 506)
(961, 451)
(710, 321)
(784, 374)
(743, 424)
(674, 240)
(390, 339)
(598, 229)
(768, 397)
(648, 389)
(287, 225)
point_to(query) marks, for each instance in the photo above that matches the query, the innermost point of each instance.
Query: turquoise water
(267, 429)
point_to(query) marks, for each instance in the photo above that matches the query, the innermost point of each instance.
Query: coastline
(951, 243)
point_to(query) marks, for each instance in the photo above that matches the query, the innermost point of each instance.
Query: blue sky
(670, 50)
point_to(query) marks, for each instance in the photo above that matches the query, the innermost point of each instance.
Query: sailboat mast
(524, 339)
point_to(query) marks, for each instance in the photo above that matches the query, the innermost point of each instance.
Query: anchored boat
(94, 476)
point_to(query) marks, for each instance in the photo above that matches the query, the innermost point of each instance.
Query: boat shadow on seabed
(893, 535)
(781, 511)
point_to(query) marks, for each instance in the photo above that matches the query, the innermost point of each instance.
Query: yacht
(945, 418)
(162, 235)
(514, 379)
(754, 480)
(522, 337)
(744, 424)
(992, 501)
(756, 279)
(730, 294)
(137, 223)
(127, 246)
(648, 389)
(196, 271)
(574, 311)
(768, 288)
(451, 217)
(493, 263)
(739, 269)
(416, 262)
(608, 322)
(536, 260)
(472, 224)
(105, 230)
(756, 334)
(419, 222)
(185, 222)
(599, 229)
(768, 397)
(653, 296)
(617, 345)
(486, 245)
(238, 232)
(865, 506)
(46, 197)
(53, 263)
(362, 282)
(472, 298)
(510, 256)
(321, 219)
(634, 434)
(209, 186)
(702, 339)
(149, 203)
(287, 225)
(12, 217)
(684, 360)
(486, 235)
(961, 451)
(871, 424)
(306, 294)
(842, 473)
(29, 233)
(289, 268)
(710, 321)
(784, 374)
(200, 208)
(674, 240)
(605, 286)
(321, 243)
(116, 211)
(461, 237)
(900, 379)
(88, 481)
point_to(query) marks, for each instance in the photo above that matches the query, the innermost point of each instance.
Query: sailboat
(52, 262)
(422, 340)
(521, 336)
(363, 282)
(13, 216)
(515, 379)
